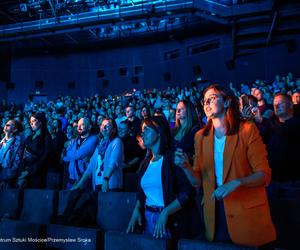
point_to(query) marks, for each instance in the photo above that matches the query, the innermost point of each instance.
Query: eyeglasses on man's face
(210, 100)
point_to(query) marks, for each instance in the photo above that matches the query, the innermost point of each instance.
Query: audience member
(231, 166)
(79, 152)
(59, 138)
(133, 121)
(106, 164)
(133, 153)
(283, 146)
(119, 115)
(161, 192)
(264, 108)
(11, 154)
(296, 102)
(37, 152)
(279, 132)
(186, 126)
(145, 112)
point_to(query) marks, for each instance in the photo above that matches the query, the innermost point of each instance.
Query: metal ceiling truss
(96, 17)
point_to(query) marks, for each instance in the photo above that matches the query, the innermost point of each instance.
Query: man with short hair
(283, 140)
(80, 151)
(283, 147)
(133, 122)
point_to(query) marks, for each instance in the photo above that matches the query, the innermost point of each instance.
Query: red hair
(232, 113)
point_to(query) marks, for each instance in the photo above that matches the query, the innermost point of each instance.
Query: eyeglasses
(209, 100)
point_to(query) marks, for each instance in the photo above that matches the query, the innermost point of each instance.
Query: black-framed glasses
(210, 100)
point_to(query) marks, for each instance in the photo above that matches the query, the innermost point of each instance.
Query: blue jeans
(150, 222)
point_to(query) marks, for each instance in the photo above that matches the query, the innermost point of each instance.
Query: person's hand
(105, 186)
(181, 159)
(28, 156)
(135, 218)
(221, 192)
(23, 174)
(160, 227)
(268, 114)
(21, 182)
(247, 113)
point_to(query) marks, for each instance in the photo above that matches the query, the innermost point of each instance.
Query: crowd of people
(235, 147)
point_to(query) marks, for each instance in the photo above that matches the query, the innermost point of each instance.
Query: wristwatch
(106, 178)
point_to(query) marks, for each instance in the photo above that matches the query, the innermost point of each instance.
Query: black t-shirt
(134, 126)
(132, 150)
(283, 146)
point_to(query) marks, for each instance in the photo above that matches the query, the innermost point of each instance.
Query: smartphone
(245, 101)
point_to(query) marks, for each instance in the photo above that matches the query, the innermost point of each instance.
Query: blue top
(113, 158)
(79, 156)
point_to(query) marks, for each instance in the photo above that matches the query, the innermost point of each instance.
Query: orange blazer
(246, 209)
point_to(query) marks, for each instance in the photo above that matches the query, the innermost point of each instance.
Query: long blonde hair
(191, 119)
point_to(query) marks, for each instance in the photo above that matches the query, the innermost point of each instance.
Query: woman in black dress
(38, 148)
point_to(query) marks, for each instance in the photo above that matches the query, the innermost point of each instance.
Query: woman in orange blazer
(231, 166)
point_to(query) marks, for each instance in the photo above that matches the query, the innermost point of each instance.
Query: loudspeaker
(39, 84)
(100, 73)
(230, 64)
(71, 85)
(197, 70)
(167, 76)
(291, 46)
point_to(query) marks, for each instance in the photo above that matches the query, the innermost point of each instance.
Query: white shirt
(219, 145)
(151, 184)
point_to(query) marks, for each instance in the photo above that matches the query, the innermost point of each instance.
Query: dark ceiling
(44, 25)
